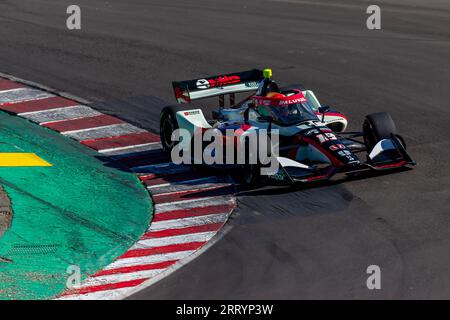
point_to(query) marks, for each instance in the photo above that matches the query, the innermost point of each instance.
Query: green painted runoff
(82, 211)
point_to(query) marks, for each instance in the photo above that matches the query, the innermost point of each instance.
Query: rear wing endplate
(189, 90)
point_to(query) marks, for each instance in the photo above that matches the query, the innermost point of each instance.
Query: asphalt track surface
(305, 243)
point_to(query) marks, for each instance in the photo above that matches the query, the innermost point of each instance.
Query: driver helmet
(275, 95)
(285, 111)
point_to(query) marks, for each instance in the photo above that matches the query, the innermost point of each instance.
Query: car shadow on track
(113, 163)
(247, 190)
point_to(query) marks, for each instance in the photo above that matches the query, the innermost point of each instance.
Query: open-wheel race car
(312, 142)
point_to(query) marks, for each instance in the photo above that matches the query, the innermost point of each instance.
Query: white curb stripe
(119, 277)
(190, 181)
(187, 222)
(60, 114)
(159, 242)
(144, 260)
(194, 203)
(113, 130)
(129, 150)
(22, 94)
(176, 188)
(23, 114)
(99, 295)
(11, 90)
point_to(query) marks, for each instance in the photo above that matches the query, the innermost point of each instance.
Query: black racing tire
(168, 123)
(376, 127)
(251, 174)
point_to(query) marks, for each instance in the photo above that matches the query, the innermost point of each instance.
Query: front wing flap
(387, 154)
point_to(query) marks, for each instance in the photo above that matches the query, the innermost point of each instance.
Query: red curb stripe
(121, 141)
(196, 212)
(38, 105)
(147, 176)
(193, 194)
(153, 180)
(182, 231)
(152, 266)
(105, 287)
(9, 85)
(163, 249)
(83, 123)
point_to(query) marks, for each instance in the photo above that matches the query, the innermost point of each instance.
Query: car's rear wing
(189, 90)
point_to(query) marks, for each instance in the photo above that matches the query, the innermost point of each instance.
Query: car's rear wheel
(376, 127)
(168, 124)
(251, 169)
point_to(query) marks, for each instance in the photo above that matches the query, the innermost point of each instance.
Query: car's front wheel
(376, 127)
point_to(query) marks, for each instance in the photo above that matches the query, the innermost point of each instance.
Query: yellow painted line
(12, 159)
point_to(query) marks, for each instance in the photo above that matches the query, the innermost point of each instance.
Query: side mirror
(323, 110)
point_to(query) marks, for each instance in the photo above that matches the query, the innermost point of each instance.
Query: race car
(311, 143)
